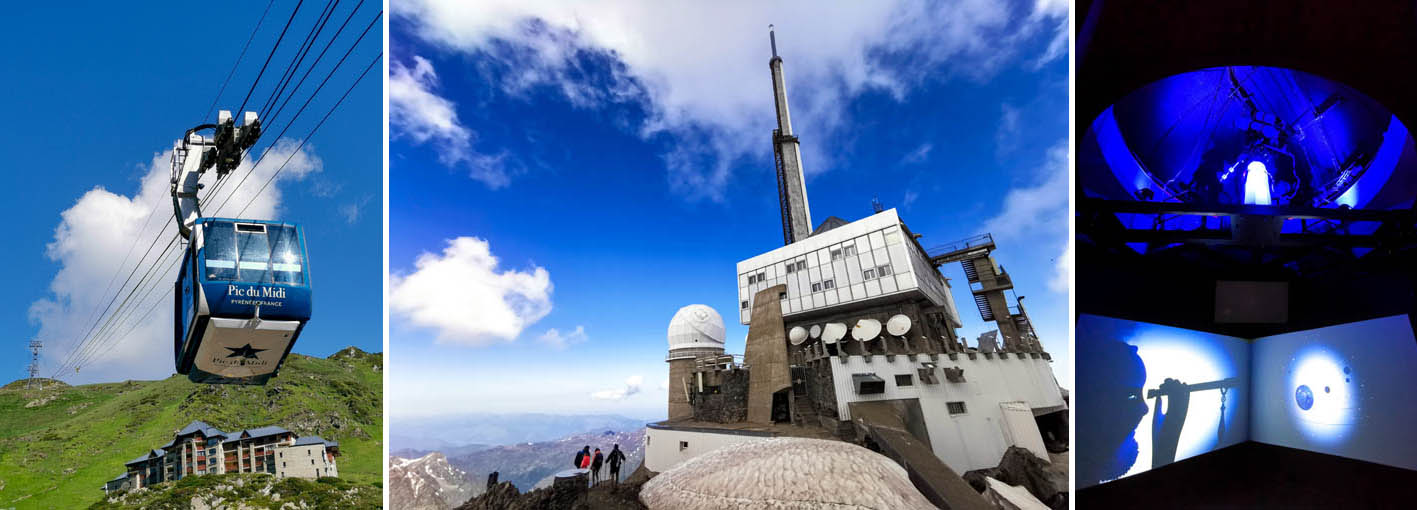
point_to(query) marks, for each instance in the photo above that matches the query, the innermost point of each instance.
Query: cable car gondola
(242, 295)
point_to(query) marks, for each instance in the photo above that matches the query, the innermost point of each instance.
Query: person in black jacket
(616, 458)
(595, 467)
(580, 456)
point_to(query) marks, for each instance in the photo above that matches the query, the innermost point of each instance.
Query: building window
(782, 295)
(683, 445)
(745, 305)
(752, 278)
(955, 407)
(904, 380)
(883, 270)
(836, 254)
(816, 286)
(761, 277)
(802, 265)
(789, 267)
(849, 250)
(868, 274)
(828, 285)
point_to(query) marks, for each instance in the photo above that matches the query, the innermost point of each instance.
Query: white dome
(696, 326)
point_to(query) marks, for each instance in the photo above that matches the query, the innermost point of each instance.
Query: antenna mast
(35, 346)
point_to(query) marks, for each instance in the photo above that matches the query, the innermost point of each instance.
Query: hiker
(585, 458)
(581, 457)
(595, 464)
(616, 458)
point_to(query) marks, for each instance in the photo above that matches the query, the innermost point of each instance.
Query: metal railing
(984, 239)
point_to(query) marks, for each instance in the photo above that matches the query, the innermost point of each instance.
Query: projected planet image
(1304, 397)
(1326, 397)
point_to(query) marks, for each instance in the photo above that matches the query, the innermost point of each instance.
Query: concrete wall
(663, 451)
(305, 461)
(972, 440)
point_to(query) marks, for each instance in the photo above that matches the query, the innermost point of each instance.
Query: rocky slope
(427, 483)
(247, 492)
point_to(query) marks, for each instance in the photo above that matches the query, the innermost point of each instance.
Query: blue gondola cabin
(242, 298)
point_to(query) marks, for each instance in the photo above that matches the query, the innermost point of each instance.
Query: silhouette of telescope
(1192, 388)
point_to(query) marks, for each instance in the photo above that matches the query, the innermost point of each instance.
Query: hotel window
(836, 254)
(802, 265)
(816, 286)
(849, 250)
(745, 305)
(955, 407)
(868, 274)
(828, 285)
(904, 380)
(883, 270)
(761, 277)
(752, 278)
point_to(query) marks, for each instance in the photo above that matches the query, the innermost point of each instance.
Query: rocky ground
(604, 496)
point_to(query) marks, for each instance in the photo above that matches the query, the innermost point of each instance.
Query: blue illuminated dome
(1249, 135)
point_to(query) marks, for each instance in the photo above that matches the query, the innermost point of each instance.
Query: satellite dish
(832, 332)
(866, 330)
(797, 335)
(816, 331)
(899, 325)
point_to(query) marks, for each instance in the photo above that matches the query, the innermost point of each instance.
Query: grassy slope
(59, 454)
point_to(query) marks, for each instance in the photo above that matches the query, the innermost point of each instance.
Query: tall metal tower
(35, 346)
(787, 156)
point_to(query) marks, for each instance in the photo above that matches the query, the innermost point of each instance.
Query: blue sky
(96, 96)
(564, 178)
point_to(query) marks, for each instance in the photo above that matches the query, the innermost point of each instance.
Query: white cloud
(554, 338)
(353, 210)
(919, 155)
(1063, 279)
(910, 197)
(664, 385)
(105, 234)
(699, 71)
(1006, 135)
(466, 298)
(632, 386)
(419, 113)
(1038, 213)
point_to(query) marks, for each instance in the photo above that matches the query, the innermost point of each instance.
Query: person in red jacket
(582, 458)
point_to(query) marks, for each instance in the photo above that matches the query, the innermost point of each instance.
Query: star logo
(245, 352)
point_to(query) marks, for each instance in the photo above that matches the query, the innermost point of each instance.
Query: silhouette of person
(1166, 427)
(615, 458)
(595, 465)
(1109, 409)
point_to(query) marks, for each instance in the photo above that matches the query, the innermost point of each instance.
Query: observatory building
(852, 336)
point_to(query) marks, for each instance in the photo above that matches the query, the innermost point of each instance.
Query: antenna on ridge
(772, 37)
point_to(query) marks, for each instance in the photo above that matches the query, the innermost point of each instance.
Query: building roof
(203, 428)
(256, 432)
(148, 455)
(830, 223)
(314, 440)
(119, 477)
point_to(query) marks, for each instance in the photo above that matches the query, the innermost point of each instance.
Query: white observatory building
(696, 331)
(852, 336)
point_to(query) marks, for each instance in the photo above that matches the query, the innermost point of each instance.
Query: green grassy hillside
(59, 445)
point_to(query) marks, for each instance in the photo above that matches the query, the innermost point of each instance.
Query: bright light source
(1256, 184)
